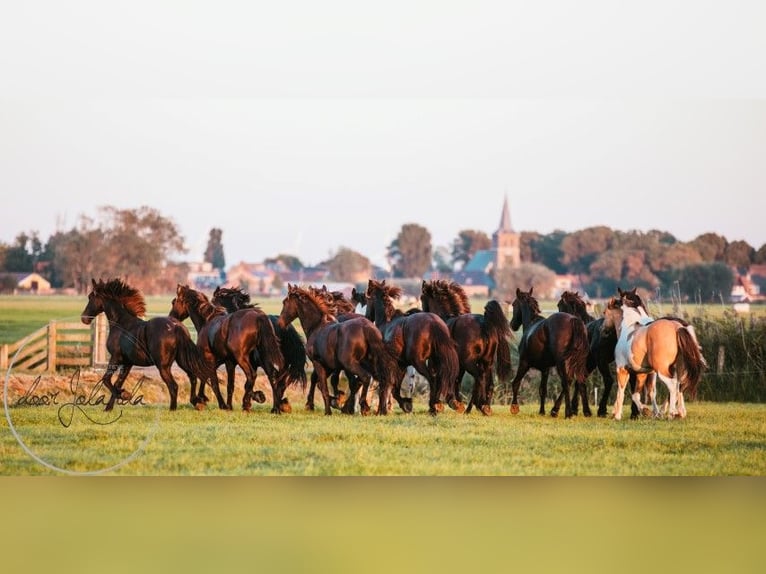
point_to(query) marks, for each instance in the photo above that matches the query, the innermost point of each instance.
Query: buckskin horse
(134, 341)
(559, 341)
(482, 340)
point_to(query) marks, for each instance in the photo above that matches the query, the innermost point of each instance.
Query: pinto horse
(354, 346)
(134, 341)
(419, 339)
(560, 341)
(231, 339)
(661, 347)
(482, 340)
(601, 348)
(290, 343)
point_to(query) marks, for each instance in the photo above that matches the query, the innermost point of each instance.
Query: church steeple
(506, 242)
(505, 218)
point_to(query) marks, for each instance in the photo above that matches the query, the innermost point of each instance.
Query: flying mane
(390, 292)
(239, 295)
(534, 306)
(452, 296)
(319, 298)
(200, 302)
(117, 290)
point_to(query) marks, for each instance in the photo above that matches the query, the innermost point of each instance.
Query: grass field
(723, 439)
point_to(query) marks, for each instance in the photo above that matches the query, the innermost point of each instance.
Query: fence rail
(58, 345)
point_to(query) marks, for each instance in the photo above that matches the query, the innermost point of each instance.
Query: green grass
(723, 439)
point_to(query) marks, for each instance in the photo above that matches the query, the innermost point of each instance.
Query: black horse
(417, 339)
(290, 343)
(232, 339)
(559, 341)
(354, 346)
(134, 341)
(601, 344)
(482, 340)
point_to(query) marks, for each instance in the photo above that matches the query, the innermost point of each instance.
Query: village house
(19, 283)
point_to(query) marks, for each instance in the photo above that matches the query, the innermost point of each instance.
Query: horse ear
(620, 291)
(178, 288)
(531, 289)
(518, 292)
(93, 281)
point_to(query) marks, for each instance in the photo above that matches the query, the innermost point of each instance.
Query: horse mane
(240, 297)
(450, 295)
(575, 302)
(199, 301)
(117, 290)
(319, 297)
(534, 306)
(388, 294)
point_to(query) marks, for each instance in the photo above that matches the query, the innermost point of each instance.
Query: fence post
(52, 346)
(3, 356)
(98, 356)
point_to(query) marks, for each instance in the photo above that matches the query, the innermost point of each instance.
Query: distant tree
(290, 262)
(581, 248)
(348, 265)
(760, 255)
(543, 249)
(711, 246)
(467, 243)
(739, 254)
(703, 282)
(523, 277)
(442, 261)
(23, 254)
(410, 253)
(278, 283)
(676, 255)
(626, 268)
(214, 250)
(81, 255)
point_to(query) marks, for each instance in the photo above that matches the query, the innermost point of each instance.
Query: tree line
(143, 246)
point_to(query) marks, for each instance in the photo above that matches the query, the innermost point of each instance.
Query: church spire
(505, 218)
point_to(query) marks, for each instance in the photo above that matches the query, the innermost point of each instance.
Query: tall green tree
(214, 250)
(467, 243)
(711, 246)
(23, 254)
(410, 253)
(581, 248)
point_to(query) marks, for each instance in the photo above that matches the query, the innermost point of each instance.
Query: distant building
(202, 276)
(26, 283)
(255, 278)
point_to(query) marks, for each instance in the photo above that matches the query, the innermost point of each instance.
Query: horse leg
(405, 403)
(310, 396)
(636, 396)
(606, 376)
(166, 376)
(584, 396)
(337, 399)
(516, 383)
(349, 405)
(322, 384)
(544, 393)
(672, 384)
(622, 382)
(117, 391)
(230, 367)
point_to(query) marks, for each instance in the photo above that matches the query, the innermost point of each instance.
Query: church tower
(506, 242)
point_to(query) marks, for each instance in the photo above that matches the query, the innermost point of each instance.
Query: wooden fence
(58, 345)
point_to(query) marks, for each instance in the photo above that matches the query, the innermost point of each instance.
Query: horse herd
(368, 339)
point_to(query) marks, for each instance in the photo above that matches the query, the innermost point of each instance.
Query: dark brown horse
(482, 340)
(419, 339)
(290, 343)
(231, 339)
(559, 341)
(601, 344)
(354, 346)
(134, 341)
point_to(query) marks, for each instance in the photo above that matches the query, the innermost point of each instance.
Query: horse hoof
(125, 395)
(555, 414)
(646, 411)
(438, 408)
(200, 406)
(514, 409)
(486, 410)
(341, 399)
(456, 405)
(407, 406)
(309, 407)
(285, 406)
(259, 397)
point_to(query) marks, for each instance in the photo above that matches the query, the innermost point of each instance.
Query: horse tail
(444, 358)
(576, 355)
(384, 365)
(691, 364)
(190, 358)
(293, 351)
(267, 343)
(497, 328)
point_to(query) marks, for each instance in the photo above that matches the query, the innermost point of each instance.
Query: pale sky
(301, 127)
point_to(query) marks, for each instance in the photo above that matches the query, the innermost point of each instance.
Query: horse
(482, 340)
(560, 341)
(419, 339)
(134, 341)
(290, 343)
(661, 347)
(601, 348)
(354, 346)
(231, 339)
(343, 310)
